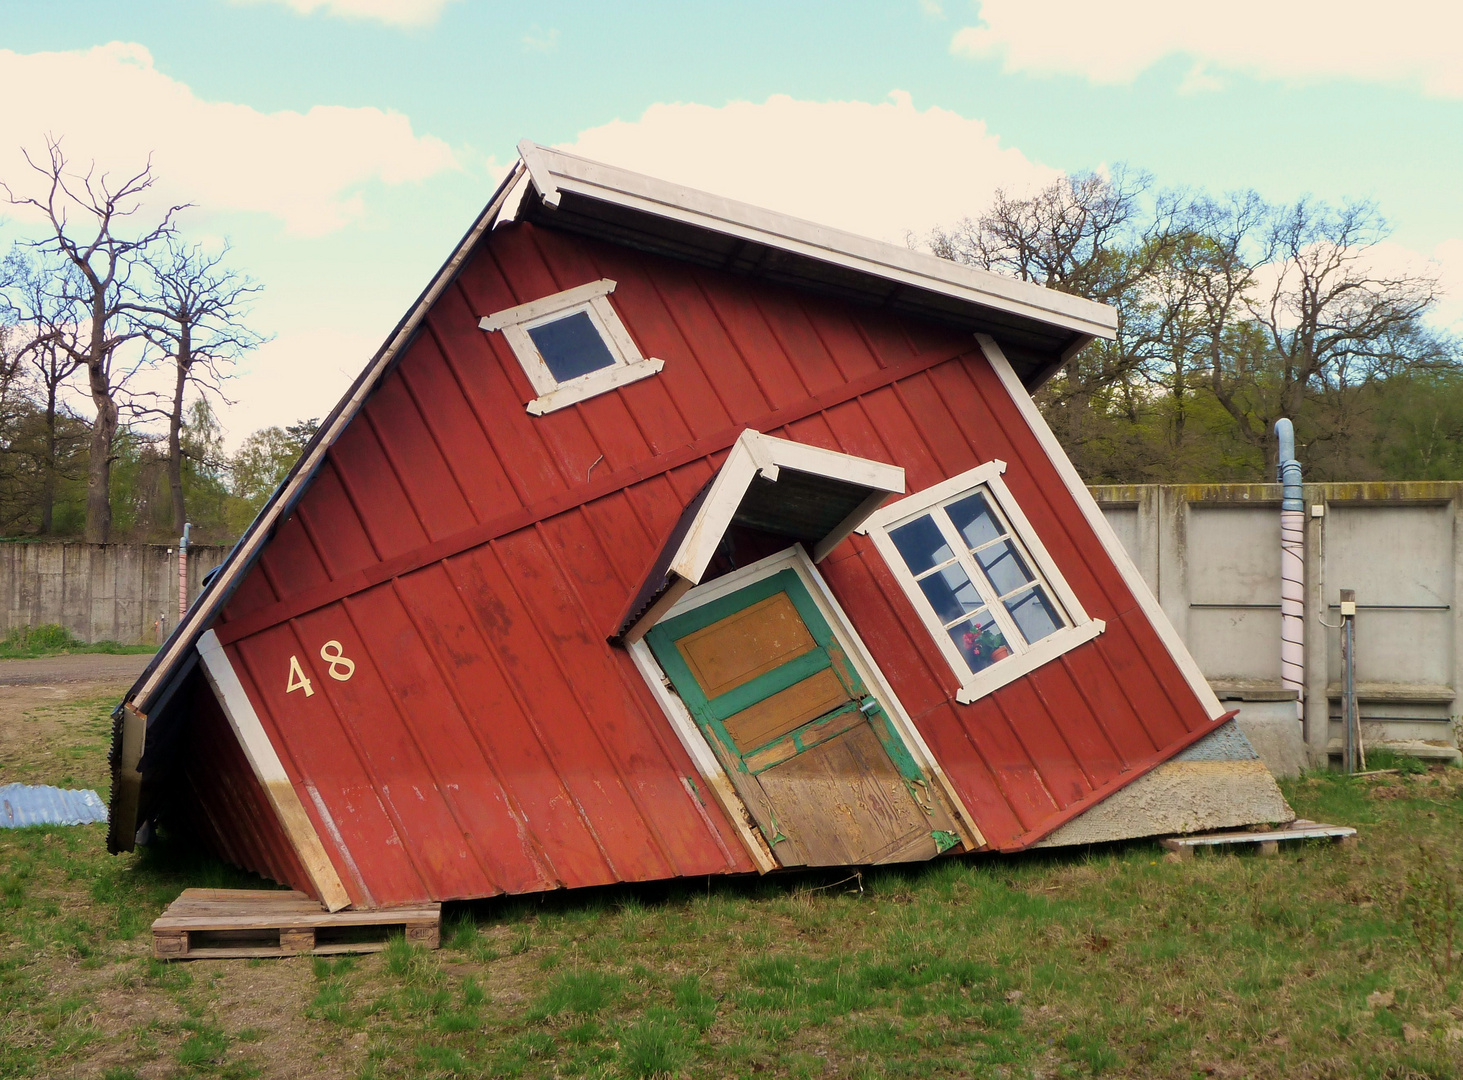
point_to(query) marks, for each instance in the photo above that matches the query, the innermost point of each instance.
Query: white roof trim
(554, 172)
(755, 453)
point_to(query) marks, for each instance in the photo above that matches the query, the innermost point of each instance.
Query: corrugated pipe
(1292, 569)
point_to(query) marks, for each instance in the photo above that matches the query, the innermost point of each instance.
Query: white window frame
(629, 365)
(1024, 658)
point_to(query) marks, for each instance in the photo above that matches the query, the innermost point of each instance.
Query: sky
(341, 147)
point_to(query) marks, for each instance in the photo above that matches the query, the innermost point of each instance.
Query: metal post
(183, 572)
(1350, 722)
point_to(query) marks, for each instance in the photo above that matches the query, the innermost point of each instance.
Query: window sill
(1039, 655)
(593, 384)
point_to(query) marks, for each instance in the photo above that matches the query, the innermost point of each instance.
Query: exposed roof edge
(556, 174)
(201, 615)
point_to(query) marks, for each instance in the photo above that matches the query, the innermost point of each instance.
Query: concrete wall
(100, 592)
(1212, 555)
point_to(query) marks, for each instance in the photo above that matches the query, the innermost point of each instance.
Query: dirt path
(53, 716)
(85, 667)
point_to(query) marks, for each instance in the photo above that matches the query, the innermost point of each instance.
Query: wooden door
(809, 749)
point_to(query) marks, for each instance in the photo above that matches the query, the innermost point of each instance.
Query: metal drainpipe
(1292, 569)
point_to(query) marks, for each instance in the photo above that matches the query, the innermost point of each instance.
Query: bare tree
(45, 312)
(193, 312)
(1330, 318)
(1101, 237)
(103, 262)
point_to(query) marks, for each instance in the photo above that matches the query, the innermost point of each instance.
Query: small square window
(980, 579)
(571, 345)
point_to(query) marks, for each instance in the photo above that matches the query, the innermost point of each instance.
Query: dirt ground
(39, 702)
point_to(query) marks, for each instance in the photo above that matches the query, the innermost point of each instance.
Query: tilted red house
(670, 536)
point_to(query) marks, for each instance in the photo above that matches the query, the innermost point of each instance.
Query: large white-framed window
(572, 345)
(980, 578)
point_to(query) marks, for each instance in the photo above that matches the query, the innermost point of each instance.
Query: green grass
(1322, 962)
(52, 639)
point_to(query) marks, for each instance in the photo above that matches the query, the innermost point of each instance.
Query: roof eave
(555, 174)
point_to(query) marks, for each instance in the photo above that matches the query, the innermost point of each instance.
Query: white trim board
(755, 453)
(556, 173)
(796, 559)
(628, 363)
(1102, 528)
(269, 771)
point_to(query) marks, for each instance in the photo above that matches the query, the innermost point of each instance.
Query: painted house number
(342, 668)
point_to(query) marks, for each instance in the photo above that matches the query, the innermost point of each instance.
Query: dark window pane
(950, 593)
(979, 641)
(571, 346)
(921, 544)
(1034, 613)
(975, 519)
(1004, 566)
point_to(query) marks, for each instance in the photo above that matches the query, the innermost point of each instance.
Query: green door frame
(710, 714)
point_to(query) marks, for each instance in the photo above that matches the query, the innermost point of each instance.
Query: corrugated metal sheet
(26, 804)
(471, 560)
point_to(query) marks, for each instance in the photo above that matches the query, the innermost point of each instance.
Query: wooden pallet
(1183, 847)
(215, 923)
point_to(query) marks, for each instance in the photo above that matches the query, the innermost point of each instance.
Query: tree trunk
(99, 464)
(175, 435)
(48, 467)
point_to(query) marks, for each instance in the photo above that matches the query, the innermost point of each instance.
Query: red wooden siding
(471, 560)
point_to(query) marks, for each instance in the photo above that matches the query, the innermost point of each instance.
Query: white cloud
(538, 40)
(1410, 42)
(1449, 258)
(392, 12)
(307, 169)
(875, 169)
(293, 377)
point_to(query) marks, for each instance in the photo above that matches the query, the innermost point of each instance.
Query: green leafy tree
(263, 461)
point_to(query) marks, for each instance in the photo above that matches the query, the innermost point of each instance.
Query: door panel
(809, 749)
(733, 651)
(775, 716)
(844, 803)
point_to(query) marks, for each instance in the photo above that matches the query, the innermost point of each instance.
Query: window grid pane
(1019, 607)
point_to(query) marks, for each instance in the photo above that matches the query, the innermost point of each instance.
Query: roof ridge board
(760, 224)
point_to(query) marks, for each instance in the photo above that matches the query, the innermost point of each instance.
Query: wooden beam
(269, 771)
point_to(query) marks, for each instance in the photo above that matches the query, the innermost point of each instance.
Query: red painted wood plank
(1043, 740)
(1106, 698)
(502, 726)
(462, 779)
(481, 364)
(1084, 733)
(319, 750)
(721, 372)
(974, 783)
(416, 459)
(331, 520)
(663, 804)
(1020, 781)
(455, 428)
(569, 734)
(290, 560)
(402, 776)
(376, 493)
(741, 317)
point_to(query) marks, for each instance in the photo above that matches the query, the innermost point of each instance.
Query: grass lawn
(31, 642)
(1114, 962)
